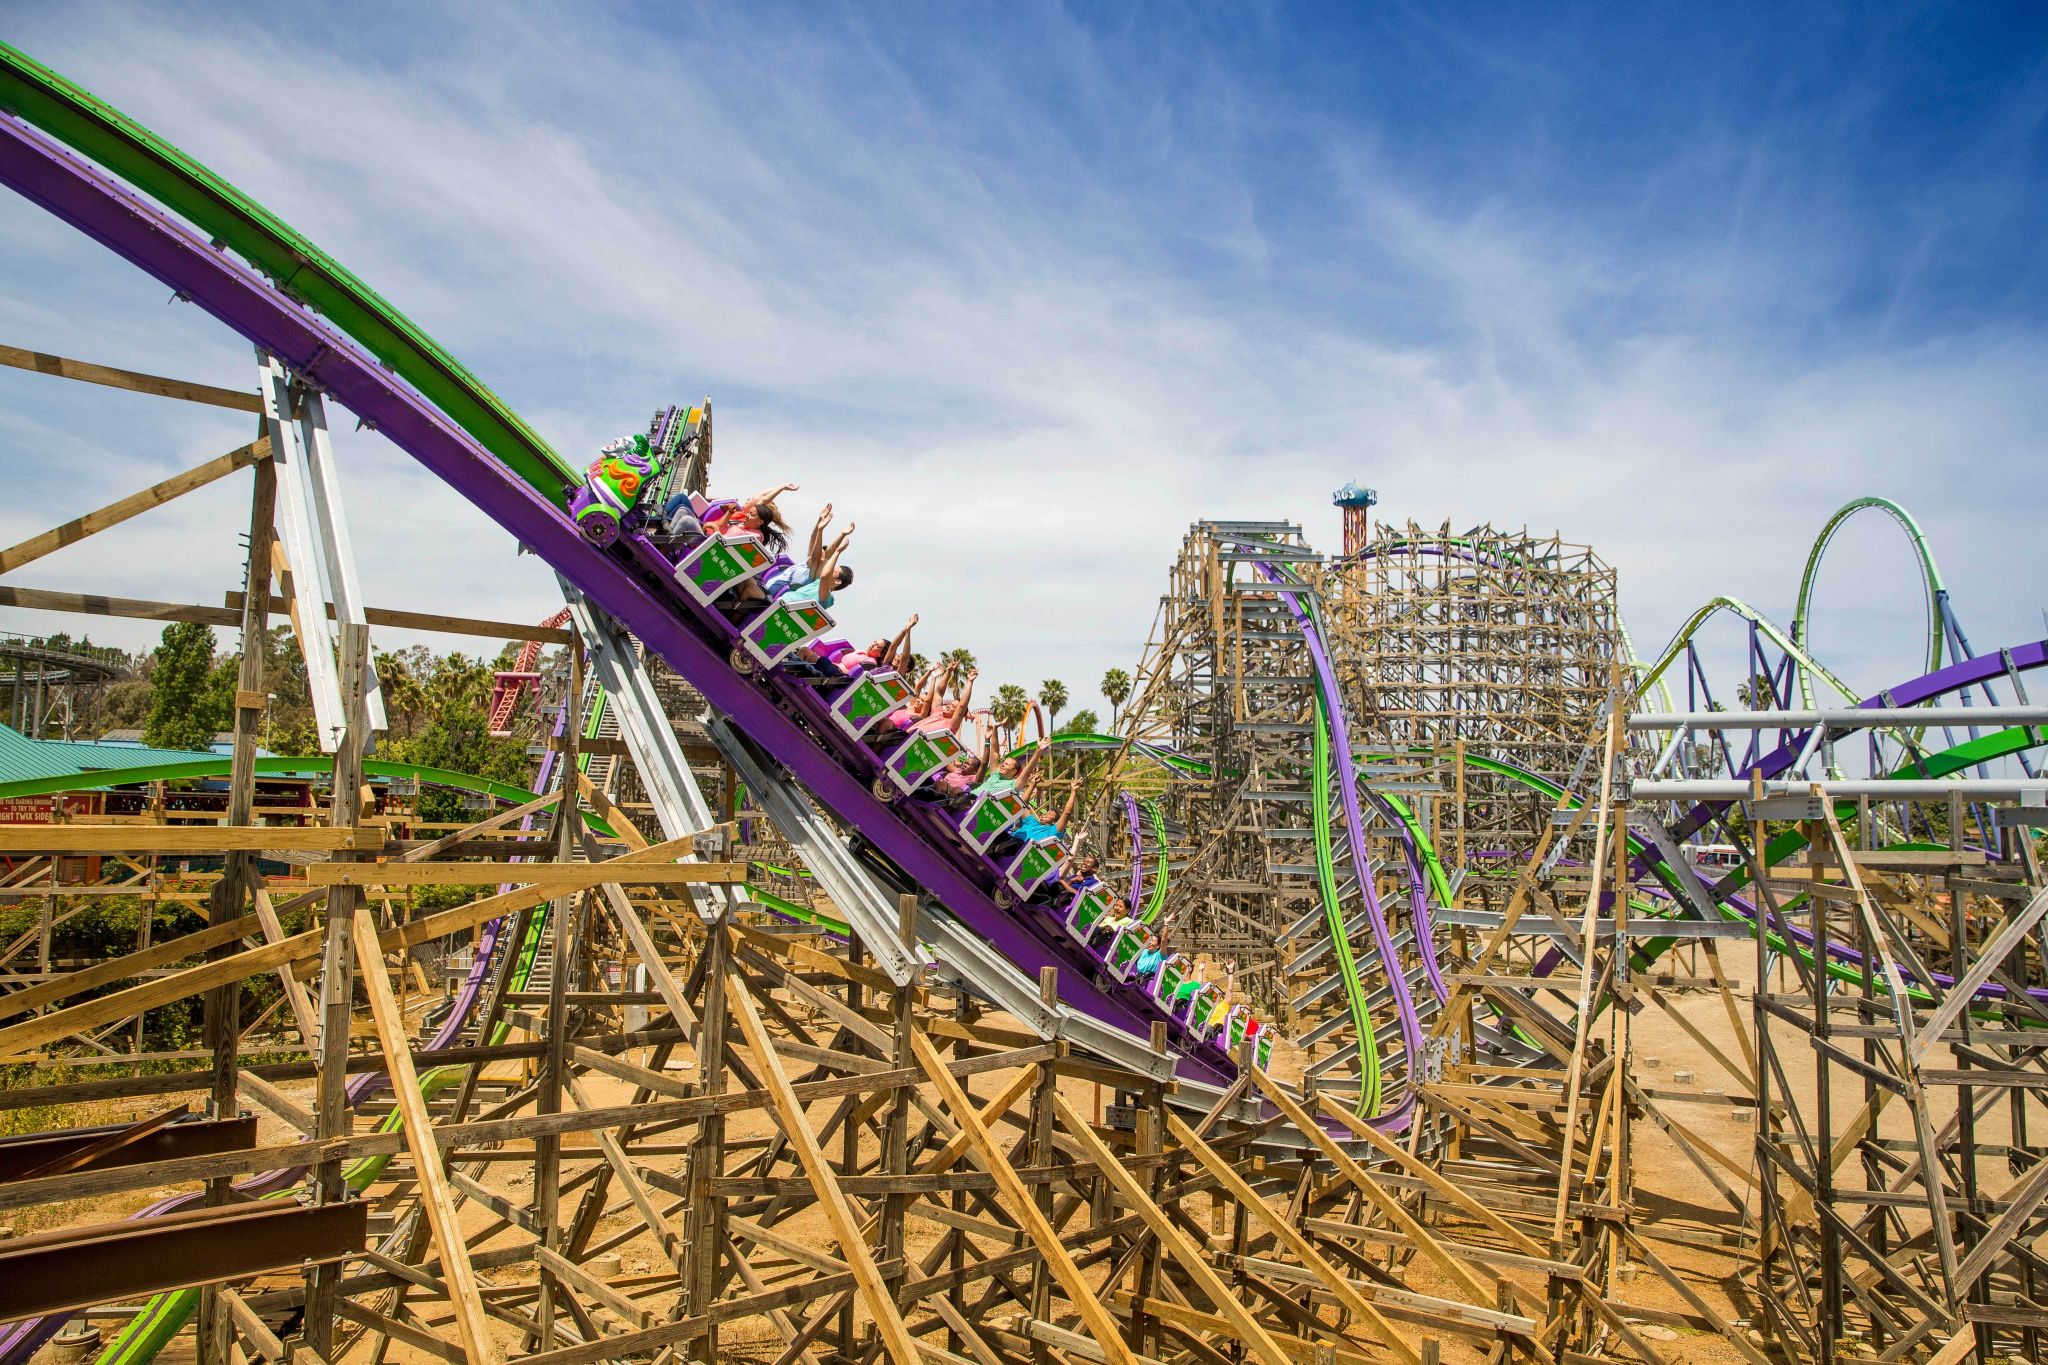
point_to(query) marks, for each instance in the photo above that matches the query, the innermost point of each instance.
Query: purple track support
(1418, 899)
(1137, 852)
(88, 200)
(1964, 673)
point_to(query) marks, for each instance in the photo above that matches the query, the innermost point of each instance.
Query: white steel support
(330, 523)
(313, 531)
(617, 666)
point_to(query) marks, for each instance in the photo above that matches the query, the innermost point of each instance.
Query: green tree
(1012, 703)
(288, 726)
(917, 665)
(186, 702)
(454, 732)
(1052, 695)
(1082, 722)
(960, 659)
(1116, 689)
(405, 701)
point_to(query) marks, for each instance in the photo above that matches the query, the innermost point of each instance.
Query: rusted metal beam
(108, 1262)
(21, 1155)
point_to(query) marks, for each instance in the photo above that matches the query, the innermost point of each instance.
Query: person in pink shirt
(757, 516)
(955, 785)
(881, 652)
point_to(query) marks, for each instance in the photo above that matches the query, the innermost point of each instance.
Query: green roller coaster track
(1333, 912)
(97, 130)
(1930, 582)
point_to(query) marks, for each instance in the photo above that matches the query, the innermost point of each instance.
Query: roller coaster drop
(1261, 817)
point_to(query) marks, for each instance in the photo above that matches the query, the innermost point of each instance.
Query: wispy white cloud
(1024, 310)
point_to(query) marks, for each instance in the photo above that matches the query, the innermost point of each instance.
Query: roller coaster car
(782, 628)
(1205, 1024)
(720, 564)
(1198, 1005)
(771, 637)
(1171, 974)
(1123, 951)
(608, 499)
(874, 695)
(1237, 1026)
(1032, 866)
(985, 821)
(1085, 911)
(921, 757)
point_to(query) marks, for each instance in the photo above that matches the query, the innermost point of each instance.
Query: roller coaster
(1257, 799)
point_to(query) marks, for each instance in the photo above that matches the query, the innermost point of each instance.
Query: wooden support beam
(299, 949)
(123, 968)
(1289, 1236)
(85, 838)
(1382, 1198)
(253, 1328)
(896, 1338)
(956, 1102)
(133, 608)
(1194, 1260)
(277, 1102)
(133, 381)
(632, 1314)
(114, 513)
(435, 1194)
(440, 624)
(294, 991)
(1429, 1176)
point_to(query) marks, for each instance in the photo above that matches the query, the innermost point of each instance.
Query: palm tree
(960, 660)
(1756, 692)
(1012, 703)
(404, 698)
(1116, 687)
(1052, 695)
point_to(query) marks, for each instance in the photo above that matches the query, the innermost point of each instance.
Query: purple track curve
(1361, 863)
(1137, 852)
(770, 709)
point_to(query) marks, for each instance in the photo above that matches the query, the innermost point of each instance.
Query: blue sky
(1024, 290)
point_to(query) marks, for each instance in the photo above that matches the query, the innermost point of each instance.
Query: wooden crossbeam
(84, 838)
(133, 608)
(435, 1191)
(1381, 1197)
(1433, 1178)
(114, 513)
(557, 877)
(302, 951)
(132, 380)
(1334, 1280)
(874, 1291)
(1194, 1260)
(440, 624)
